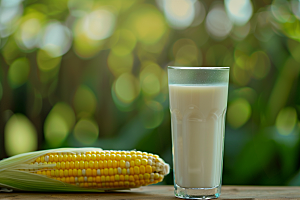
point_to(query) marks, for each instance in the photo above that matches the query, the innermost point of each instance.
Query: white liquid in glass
(198, 113)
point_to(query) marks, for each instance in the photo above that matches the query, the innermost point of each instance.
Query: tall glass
(198, 102)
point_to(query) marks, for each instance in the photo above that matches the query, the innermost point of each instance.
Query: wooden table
(165, 193)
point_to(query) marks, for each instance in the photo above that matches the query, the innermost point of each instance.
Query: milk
(198, 113)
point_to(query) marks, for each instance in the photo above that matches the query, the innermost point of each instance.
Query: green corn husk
(12, 178)
(18, 173)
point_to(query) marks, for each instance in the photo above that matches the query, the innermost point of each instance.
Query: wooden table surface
(165, 193)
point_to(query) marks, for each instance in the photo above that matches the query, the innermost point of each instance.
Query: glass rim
(209, 68)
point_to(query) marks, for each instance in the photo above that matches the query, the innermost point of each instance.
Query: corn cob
(81, 169)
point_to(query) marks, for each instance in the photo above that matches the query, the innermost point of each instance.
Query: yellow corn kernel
(91, 164)
(128, 157)
(144, 161)
(75, 172)
(77, 164)
(72, 164)
(121, 177)
(156, 176)
(105, 163)
(60, 157)
(109, 163)
(142, 169)
(114, 164)
(43, 159)
(112, 178)
(44, 173)
(101, 171)
(88, 157)
(112, 156)
(124, 171)
(55, 158)
(141, 176)
(107, 156)
(63, 179)
(79, 172)
(67, 180)
(132, 163)
(62, 165)
(93, 156)
(137, 162)
(136, 170)
(67, 164)
(123, 157)
(131, 170)
(131, 184)
(126, 177)
(90, 179)
(57, 173)
(98, 157)
(110, 171)
(118, 156)
(70, 172)
(146, 176)
(52, 173)
(102, 156)
(72, 179)
(83, 157)
(86, 164)
(117, 177)
(61, 173)
(74, 158)
(116, 184)
(70, 156)
(58, 179)
(126, 183)
(101, 164)
(133, 157)
(96, 164)
(107, 178)
(102, 178)
(51, 157)
(38, 159)
(98, 179)
(89, 172)
(122, 163)
(105, 171)
(65, 158)
(94, 172)
(115, 170)
(80, 179)
(58, 165)
(81, 164)
(78, 157)
(142, 182)
(136, 177)
(149, 169)
(66, 172)
(121, 184)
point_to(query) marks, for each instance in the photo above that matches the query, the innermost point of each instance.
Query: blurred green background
(93, 73)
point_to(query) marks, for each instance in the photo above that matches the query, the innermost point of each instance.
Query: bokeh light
(18, 72)
(123, 42)
(152, 114)
(56, 39)
(84, 102)
(179, 13)
(20, 135)
(1, 91)
(127, 88)
(147, 23)
(58, 124)
(218, 23)
(286, 120)
(119, 64)
(150, 79)
(239, 112)
(86, 131)
(239, 11)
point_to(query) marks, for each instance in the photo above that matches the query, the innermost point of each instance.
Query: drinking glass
(198, 102)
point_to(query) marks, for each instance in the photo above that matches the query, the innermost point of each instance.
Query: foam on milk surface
(198, 113)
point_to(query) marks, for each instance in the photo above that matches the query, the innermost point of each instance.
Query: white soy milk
(198, 113)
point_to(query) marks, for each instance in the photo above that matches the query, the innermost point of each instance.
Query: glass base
(197, 193)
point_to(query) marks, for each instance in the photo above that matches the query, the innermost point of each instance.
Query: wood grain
(165, 193)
